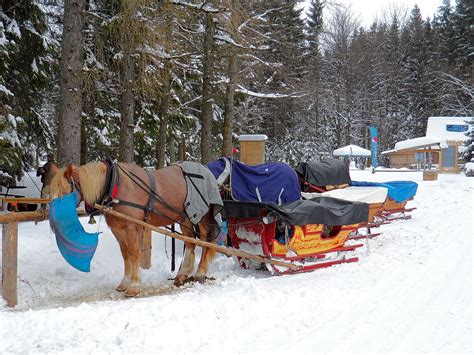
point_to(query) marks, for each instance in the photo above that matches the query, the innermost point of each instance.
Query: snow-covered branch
(204, 6)
(245, 91)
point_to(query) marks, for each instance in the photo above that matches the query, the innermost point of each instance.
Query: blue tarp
(269, 182)
(75, 244)
(397, 190)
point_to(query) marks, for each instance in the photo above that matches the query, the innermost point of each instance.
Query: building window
(457, 127)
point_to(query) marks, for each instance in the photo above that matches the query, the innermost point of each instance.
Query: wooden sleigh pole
(201, 243)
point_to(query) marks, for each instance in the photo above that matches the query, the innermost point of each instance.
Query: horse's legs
(134, 233)
(120, 235)
(187, 266)
(206, 256)
(128, 237)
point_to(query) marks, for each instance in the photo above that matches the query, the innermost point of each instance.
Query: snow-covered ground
(411, 291)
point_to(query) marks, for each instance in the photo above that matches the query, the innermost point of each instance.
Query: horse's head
(88, 180)
(62, 181)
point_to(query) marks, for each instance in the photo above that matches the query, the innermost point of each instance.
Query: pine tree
(27, 68)
(314, 28)
(417, 73)
(463, 19)
(469, 142)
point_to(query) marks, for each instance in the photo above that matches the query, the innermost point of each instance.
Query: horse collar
(111, 182)
(111, 186)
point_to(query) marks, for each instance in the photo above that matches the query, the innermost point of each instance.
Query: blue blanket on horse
(397, 190)
(269, 182)
(75, 244)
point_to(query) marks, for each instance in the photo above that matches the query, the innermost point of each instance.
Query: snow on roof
(448, 128)
(421, 142)
(252, 137)
(351, 150)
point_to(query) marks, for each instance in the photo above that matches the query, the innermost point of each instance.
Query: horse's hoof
(132, 292)
(121, 288)
(201, 278)
(180, 280)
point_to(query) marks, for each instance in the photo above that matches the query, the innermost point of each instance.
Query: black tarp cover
(325, 172)
(319, 210)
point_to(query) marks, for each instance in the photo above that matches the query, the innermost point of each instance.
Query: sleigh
(310, 234)
(330, 177)
(375, 197)
(266, 216)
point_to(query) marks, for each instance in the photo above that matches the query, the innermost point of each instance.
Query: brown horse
(90, 181)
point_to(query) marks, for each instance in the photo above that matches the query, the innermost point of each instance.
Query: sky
(368, 10)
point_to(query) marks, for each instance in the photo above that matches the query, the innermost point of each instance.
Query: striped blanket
(75, 244)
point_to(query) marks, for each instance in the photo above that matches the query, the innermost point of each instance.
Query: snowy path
(412, 292)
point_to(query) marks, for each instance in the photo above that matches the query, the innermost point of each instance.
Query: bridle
(75, 186)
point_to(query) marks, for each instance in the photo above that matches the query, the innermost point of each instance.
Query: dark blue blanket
(269, 182)
(397, 190)
(75, 244)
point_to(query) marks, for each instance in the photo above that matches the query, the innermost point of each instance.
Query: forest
(140, 80)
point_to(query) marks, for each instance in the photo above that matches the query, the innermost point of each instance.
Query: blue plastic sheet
(397, 190)
(75, 244)
(269, 182)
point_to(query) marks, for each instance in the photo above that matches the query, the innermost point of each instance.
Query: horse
(90, 182)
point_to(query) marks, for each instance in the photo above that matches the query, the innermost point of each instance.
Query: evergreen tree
(27, 53)
(469, 142)
(418, 76)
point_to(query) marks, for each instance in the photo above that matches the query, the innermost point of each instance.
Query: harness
(111, 187)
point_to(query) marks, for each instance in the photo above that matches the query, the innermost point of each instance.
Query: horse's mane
(92, 180)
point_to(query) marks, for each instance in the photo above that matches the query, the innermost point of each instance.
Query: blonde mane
(91, 178)
(92, 181)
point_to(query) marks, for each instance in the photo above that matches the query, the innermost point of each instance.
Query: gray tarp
(319, 210)
(325, 172)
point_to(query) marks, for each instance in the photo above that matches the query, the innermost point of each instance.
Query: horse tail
(212, 253)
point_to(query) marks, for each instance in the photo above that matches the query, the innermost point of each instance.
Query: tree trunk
(83, 144)
(161, 146)
(70, 103)
(229, 104)
(128, 104)
(171, 149)
(166, 96)
(207, 100)
(233, 71)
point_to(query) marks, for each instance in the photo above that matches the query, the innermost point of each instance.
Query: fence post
(145, 249)
(10, 263)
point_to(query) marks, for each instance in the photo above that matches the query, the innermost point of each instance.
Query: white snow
(252, 137)
(34, 67)
(13, 28)
(421, 142)
(4, 89)
(411, 291)
(469, 168)
(351, 150)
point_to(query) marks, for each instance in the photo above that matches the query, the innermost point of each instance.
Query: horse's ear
(68, 172)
